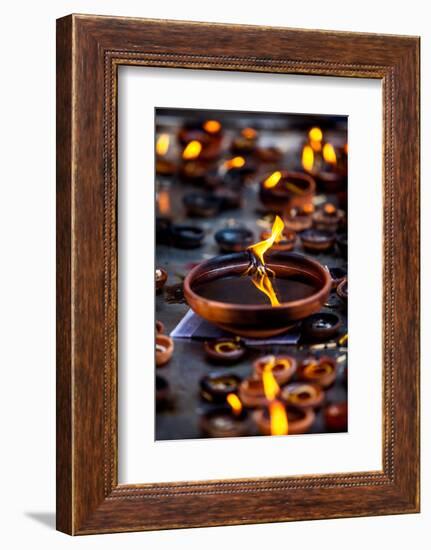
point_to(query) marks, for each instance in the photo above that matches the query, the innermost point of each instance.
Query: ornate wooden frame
(89, 51)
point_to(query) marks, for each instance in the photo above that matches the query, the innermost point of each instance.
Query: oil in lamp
(321, 326)
(315, 241)
(283, 367)
(300, 219)
(282, 190)
(217, 386)
(225, 351)
(234, 239)
(245, 142)
(164, 166)
(187, 236)
(342, 290)
(328, 218)
(303, 396)
(164, 349)
(161, 277)
(322, 371)
(229, 420)
(201, 205)
(335, 416)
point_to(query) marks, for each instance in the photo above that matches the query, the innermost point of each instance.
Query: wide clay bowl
(294, 189)
(257, 320)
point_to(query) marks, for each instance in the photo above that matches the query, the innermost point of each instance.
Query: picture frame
(89, 51)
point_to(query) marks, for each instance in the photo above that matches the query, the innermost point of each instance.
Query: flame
(278, 416)
(212, 126)
(192, 150)
(259, 249)
(315, 134)
(329, 154)
(272, 180)
(164, 201)
(263, 283)
(307, 158)
(329, 208)
(162, 144)
(235, 162)
(270, 384)
(308, 208)
(235, 403)
(249, 133)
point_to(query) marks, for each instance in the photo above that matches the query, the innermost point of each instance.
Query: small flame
(329, 208)
(278, 416)
(164, 202)
(259, 249)
(192, 150)
(272, 180)
(270, 384)
(307, 158)
(329, 154)
(263, 283)
(235, 162)
(162, 144)
(308, 208)
(249, 133)
(212, 126)
(235, 403)
(315, 134)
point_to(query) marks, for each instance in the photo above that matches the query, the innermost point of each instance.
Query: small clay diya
(216, 387)
(299, 420)
(221, 421)
(321, 326)
(200, 205)
(164, 349)
(160, 327)
(342, 290)
(209, 142)
(187, 236)
(194, 171)
(328, 218)
(336, 417)
(225, 351)
(234, 239)
(337, 275)
(299, 219)
(303, 396)
(230, 199)
(283, 367)
(252, 392)
(341, 241)
(161, 278)
(317, 241)
(268, 154)
(245, 142)
(162, 391)
(322, 371)
(282, 190)
(218, 291)
(164, 165)
(286, 243)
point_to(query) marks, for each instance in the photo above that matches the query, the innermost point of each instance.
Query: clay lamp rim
(251, 392)
(161, 277)
(342, 290)
(225, 350)
(280, 191)
(287, 241)
(284, 367)
(325, 236)
(164, 349)
(325, 378)
(321, 333)
(300, 425)
(296, 395)
(216, 386)
(234, 239)
(187, 236)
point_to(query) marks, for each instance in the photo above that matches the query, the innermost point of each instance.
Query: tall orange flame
(192, 150)
(162, 144)
(259, 249)
(235, 403)
(279, 424)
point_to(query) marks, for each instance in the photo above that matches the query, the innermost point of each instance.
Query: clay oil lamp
(164, 349)
(328, 218)
(268, 155)
(209, 135)
(300, 219)
(243, 294)
(194, 167)
(246, 142)
(201, 205)
(225, 351)
(337, 275)
(216, 387)
(252, 392)
(335, 416)
(161, 277)
(285, 243)
(317, 241)
(282, 190)
(342, 290)
(303, 396)
(229, 420)
(284, 420)
(164, 166)
(162, 392)
(230, 199)
(234, 239)
(341, 241)
(160, 327)
(187, 236)
(283, 367)
(322, 371)
(321, 326)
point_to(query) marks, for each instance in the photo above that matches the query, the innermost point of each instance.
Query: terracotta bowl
(283, 197)
(251, 320)
(283, 370)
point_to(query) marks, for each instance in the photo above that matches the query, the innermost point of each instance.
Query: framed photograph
(237, 274)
